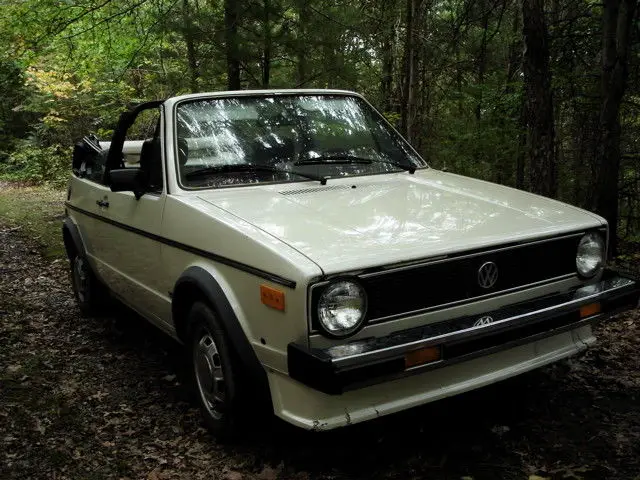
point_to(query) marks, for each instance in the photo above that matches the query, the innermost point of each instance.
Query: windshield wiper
(249, 167)
(351, 160)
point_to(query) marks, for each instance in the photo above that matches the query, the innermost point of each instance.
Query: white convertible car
(304, 252)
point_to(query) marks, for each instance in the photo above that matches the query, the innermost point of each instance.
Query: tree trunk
(231, 18)
(584, 131)
(522, 145)
(266, 48)
(482, 58)
(386, 82)
(514, 65)
(617, 21)
(411, 58)
(192, 56)
(513, 68)
(539, 109)
(301, 41)
(388, 48)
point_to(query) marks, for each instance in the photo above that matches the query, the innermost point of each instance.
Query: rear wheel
(91, 295)
(214, 369)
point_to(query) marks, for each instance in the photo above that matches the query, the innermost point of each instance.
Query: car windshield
(284, 138)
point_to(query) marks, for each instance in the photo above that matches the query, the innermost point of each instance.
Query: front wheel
(214, 371)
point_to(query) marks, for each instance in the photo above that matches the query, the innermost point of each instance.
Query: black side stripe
(196, 251)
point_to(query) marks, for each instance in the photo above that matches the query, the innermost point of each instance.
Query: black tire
(214, 370)
(92, 296)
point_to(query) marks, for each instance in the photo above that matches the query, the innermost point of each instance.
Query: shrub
(37, 165)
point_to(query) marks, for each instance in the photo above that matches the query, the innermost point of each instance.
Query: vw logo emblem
(486, 320)
(487, 275)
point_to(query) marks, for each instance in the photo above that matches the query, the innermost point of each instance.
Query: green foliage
(12, 93)
(392, 117)
(37, 165)
(68, 68)
(67, 106)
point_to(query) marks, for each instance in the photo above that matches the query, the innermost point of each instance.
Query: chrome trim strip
(439, 259)
(442, 259)
(480, 353)
(442, 306)
(473, 299)
(505, 346)
(484, 330)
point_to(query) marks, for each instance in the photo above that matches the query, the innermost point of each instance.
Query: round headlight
(341, 308)
(590, 255)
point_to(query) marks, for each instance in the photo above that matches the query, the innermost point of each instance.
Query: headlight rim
(315, 314)
(603, 254)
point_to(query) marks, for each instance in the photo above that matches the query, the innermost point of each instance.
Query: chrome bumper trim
(582, 296)
(372, 360)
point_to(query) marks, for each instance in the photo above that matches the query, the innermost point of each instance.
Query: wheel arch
(71, 238)
(196, 284)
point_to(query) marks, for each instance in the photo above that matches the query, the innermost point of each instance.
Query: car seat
(151, 163)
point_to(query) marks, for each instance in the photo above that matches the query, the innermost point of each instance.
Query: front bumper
(369, 361)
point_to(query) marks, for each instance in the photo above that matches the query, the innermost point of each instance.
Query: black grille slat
(427, 286)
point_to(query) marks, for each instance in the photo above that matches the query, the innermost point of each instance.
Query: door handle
(102, 203)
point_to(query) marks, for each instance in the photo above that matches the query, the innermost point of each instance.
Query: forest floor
(88, 399)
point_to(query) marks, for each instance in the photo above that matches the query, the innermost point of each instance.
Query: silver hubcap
(81, 278)
(209, 376)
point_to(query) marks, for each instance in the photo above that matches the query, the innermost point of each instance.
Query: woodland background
(542, 95)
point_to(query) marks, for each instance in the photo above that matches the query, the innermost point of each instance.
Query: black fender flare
(70, 231)
(198, 279)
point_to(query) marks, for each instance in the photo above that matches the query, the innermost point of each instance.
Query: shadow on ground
(538, 423)
(104, 398)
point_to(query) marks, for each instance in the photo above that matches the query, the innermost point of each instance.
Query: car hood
(360, 222)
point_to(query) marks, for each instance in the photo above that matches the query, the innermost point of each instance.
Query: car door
(85, 192)
(129, 243)
(131, 253)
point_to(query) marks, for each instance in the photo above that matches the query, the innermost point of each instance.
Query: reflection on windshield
(281, 132)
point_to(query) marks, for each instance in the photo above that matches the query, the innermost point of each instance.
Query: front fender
(195, 283)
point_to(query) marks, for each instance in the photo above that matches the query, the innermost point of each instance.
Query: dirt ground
(101, 398)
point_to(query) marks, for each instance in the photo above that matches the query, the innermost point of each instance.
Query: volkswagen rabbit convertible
(303, 252)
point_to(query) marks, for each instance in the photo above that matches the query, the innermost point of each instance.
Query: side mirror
(128, 180)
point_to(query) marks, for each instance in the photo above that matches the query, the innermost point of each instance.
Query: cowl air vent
(303, 191)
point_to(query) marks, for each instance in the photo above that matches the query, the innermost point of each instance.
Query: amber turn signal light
(588, 310)
(272, 297)
(422, 356)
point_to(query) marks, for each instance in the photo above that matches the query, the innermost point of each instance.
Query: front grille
(456, 279)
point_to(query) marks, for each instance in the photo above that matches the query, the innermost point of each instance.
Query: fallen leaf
(39, 427)
(232, 475)
(268, 473)
(154, 475)
(500, 429)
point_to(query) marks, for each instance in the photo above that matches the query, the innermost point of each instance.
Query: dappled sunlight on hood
(387, 218)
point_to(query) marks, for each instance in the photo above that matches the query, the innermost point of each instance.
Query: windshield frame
(279, 94)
